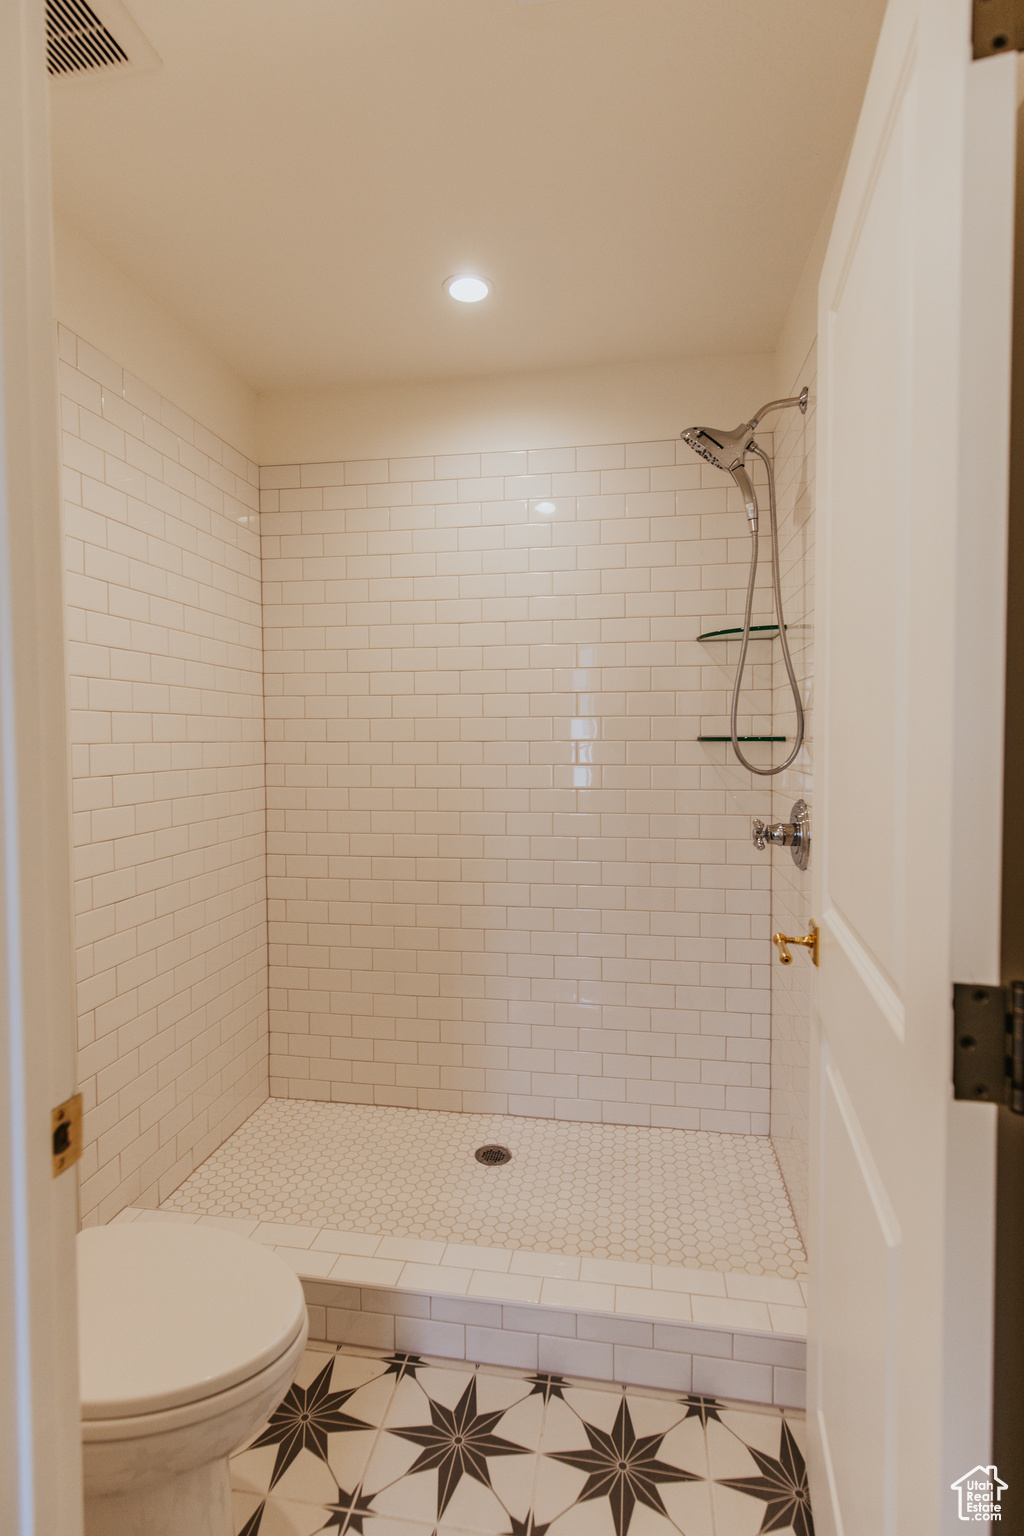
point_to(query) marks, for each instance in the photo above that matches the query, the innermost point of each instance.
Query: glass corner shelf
(741, 738)
(757, 632)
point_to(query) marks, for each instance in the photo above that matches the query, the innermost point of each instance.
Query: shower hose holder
(808, 941)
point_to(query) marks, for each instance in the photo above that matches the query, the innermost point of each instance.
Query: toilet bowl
(189, 1338)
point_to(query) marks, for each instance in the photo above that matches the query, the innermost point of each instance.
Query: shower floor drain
(493, 1154)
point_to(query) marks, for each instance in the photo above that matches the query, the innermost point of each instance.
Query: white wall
(615, 403)
(113, 314)
(798, 337)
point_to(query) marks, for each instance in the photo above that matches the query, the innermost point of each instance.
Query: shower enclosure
(466, 715)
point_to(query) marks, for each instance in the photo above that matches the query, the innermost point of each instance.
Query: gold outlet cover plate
(66, 1133)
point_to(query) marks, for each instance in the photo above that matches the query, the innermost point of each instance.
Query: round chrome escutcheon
(800, 816)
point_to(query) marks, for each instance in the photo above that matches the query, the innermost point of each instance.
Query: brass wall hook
(809, 941)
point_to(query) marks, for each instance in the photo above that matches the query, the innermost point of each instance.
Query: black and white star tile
(753, 1457)
(370, 1444)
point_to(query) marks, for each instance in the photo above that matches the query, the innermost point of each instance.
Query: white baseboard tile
(715, 1377)
(694, 1341)
(760, 1350)
(375, 1330)
(398, 1303)
(537, 1320)
(614, 1330)
(500, 1346)
(577, 1357)
(423, 1336)
(790, 1387)
(653, 1368)
(475, 1314)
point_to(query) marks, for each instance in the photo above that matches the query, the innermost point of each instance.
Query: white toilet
(188, 1340)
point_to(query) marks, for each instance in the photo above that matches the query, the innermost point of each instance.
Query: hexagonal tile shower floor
(701, 1199)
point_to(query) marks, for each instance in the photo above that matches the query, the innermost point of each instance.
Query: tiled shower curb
(643, 1352)
(693, 1330)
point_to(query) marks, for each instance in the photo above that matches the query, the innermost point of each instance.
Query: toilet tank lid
(171, 1313)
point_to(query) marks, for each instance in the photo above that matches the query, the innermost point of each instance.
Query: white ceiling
(638, 178)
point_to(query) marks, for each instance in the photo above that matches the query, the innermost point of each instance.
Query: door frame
(1008, 1405)
(40, 1438)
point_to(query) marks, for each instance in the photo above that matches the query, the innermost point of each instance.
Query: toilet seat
(195, 1415)
(171, 1315)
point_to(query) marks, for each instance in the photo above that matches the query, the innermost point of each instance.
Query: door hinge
(997, 26)
(66, 1133)
(988, 1044)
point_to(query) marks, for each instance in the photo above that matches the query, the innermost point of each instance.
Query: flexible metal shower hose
(777, 587)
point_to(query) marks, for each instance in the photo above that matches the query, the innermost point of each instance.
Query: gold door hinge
(66, 1133)
(997, 26)
(988, 1044)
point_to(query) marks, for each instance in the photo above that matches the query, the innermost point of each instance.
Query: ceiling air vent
(81, 40)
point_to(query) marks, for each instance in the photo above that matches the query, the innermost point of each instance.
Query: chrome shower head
(726, 450)
(723, 449)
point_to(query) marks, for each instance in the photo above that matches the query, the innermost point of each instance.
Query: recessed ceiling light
(467, 289)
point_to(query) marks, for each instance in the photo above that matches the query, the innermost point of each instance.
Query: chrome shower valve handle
(782, 833)
(794, 834)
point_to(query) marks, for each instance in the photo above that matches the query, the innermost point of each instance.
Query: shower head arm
(781, 405)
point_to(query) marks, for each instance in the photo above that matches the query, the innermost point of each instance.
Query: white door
(915, 312)
(40, 1472)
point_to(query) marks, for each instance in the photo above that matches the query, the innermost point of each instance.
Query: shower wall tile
(792, 986)
(165, 685)
(503, 875)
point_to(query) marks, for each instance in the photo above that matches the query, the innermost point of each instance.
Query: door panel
(859, 1271)
(914, 333)
(866, 619)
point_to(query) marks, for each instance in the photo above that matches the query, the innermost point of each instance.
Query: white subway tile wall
(503, 875)
(792, 985)
(165, 663)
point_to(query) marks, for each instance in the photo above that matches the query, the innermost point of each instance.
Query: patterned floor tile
(322, 1434)
(276, 1517)
(572, 1187)
(606, 1450)
(759, 1476)
(460, 1445)
(383, 1525)
(596, 1520)
(690, 1509)
(443, 1448)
